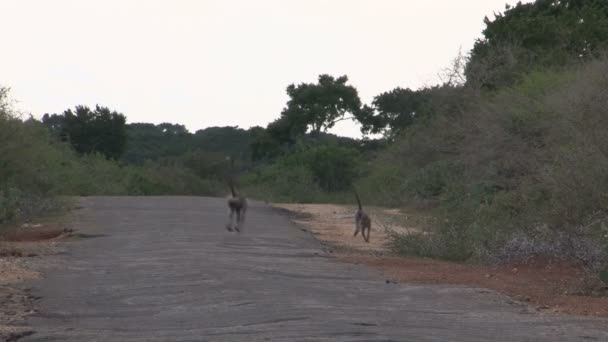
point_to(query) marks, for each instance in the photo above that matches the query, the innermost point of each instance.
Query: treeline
(80, 152)
(92, 151)
(509, 151)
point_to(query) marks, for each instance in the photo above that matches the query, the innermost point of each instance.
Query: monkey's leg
(357, 228)
(229, 225)
(238, 220)
(242, 218)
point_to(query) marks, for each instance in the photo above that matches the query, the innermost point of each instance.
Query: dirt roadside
(544, 285)
(22, 250)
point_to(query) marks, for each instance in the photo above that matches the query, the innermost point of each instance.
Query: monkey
(238, 206)
(362, 221)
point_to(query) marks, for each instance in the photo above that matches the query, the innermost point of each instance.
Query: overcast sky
(223, 62)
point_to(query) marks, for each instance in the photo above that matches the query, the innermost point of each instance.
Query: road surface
(165, 269)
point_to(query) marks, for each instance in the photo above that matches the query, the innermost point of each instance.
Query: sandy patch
(335, 224)
(545, 285)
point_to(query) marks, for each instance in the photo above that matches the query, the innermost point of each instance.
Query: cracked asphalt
(165, 269)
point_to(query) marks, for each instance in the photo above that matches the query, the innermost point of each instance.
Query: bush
(27, 155)
(334, 168)
(284, 183)
(36, 168)
(319, 172)
(519, 173)
(432, 180)
(384, 185)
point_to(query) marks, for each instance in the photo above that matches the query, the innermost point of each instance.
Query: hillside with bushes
(509, 152)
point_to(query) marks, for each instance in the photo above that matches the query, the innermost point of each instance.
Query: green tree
(395, 110)
(312, 108)
(319, 106)
(231, 141)
(545, 33)
(147, 141)
(88, 131)
(263, 145)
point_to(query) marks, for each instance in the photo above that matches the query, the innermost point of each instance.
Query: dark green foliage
(319, 106)
(312, 170)
(532, 36)
(283, 182)
(231, 141)
(312, 106)
(206, 165)
(395, 110)
(157, 142)
(333, 168)
(266, 146)
(99, 131)
(147, 141)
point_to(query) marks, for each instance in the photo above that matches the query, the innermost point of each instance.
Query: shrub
(318, 172)
(519, 173)
(284, 183)
(36, 168)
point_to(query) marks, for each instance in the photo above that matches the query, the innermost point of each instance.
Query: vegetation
(509, 152)
(538, 35)
(36, 168)
(99, 131)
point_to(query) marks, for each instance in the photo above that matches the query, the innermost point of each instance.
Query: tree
(156, 142)
(319, 106)
(545, 33)
(395, 110)
(101, 130)
(264, 145)
(146, 141)
(4, 102)
(230, 141)
(173, 129)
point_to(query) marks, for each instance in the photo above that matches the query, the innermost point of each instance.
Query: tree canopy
(155, 142)
(394, 110)
(544, 33)
(101, 130)
(318, 106)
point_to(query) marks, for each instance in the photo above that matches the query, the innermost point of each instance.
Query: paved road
(165, 269)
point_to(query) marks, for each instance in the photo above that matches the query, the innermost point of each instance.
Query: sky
(205, 63)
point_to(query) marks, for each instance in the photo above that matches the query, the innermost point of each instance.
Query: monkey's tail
(358, 199)
(231, 175)
(232, 187)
